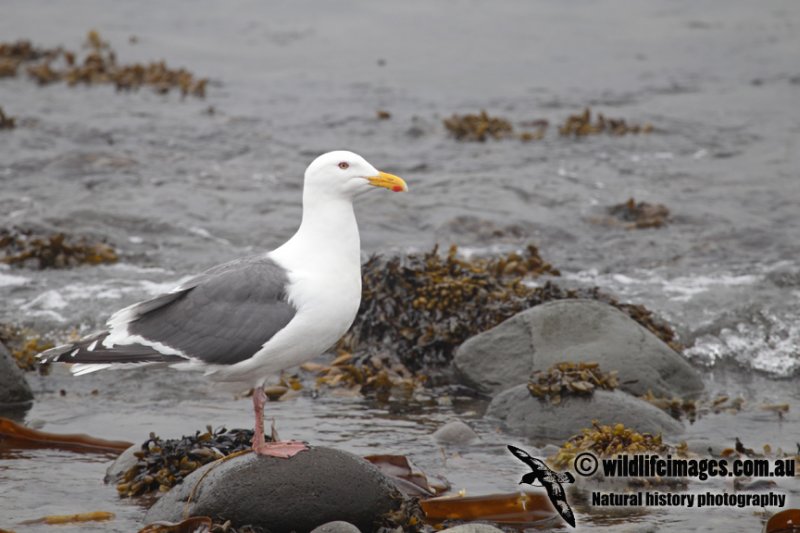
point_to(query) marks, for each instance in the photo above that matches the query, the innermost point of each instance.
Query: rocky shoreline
(325, 489)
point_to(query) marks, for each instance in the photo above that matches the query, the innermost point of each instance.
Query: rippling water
(176, 189)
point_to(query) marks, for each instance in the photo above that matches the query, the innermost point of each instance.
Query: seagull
(243, 321)
(550, 480)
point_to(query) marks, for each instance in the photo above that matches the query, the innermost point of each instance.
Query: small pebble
(338, 526)
(472, 528)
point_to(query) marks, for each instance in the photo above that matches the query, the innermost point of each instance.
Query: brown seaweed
(408, 478)
(198, 524)
(608, 440)
(692, 409)
(785, 521)
(98, 66)
(374, 375)
(514, 508)
(581, 125)
(18, 436)
(96, 516)
(24, 247)
(478, 127)
(570, 379)
(163, 463)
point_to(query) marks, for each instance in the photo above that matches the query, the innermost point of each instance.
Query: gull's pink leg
(272, 449)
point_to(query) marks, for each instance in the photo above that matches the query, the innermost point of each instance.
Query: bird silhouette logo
(551, 481)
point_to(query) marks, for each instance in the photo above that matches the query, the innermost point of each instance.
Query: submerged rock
(313, 488)
(15, 393)
(535, 418)
(640, 215)
(455, 433)
(575, 330)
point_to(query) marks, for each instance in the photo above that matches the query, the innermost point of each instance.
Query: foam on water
(769, 343)
(10, 280)
(723, 316)
(51, 304)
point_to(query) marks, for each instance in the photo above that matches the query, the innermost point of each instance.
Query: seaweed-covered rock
(535, 418)
(608, 440)
(570, 379)
(15, 393)
(24, 344)
(313, 488)
(25, 247)
(578, 331)
(16, 397)
(160, 464)
(420, 307)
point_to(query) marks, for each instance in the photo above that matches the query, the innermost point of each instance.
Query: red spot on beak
(397, 188)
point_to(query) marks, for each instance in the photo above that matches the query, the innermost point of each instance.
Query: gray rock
(314, 487)
(455, 433)
(531, 417)
(15, 393)
(472, 528)
(121, 464)
(579, 331)
(336, 527)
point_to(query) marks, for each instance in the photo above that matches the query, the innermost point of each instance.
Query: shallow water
(177, 189)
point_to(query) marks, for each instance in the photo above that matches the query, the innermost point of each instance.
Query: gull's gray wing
(222, 316)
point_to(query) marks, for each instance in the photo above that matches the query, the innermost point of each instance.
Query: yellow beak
(388, 181)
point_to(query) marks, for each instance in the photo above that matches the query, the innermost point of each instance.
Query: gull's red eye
(344, 165)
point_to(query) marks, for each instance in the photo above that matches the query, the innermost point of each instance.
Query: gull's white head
(345, 173)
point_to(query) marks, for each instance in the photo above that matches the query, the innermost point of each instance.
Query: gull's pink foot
(284, 450)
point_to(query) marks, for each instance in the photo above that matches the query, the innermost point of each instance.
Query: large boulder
(576, 331)
(312, 488)
(15, 393)
(541, 421)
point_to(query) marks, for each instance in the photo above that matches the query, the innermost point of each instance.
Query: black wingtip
(54, 354)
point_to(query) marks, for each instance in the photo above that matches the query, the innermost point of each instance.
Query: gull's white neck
(327, 238)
